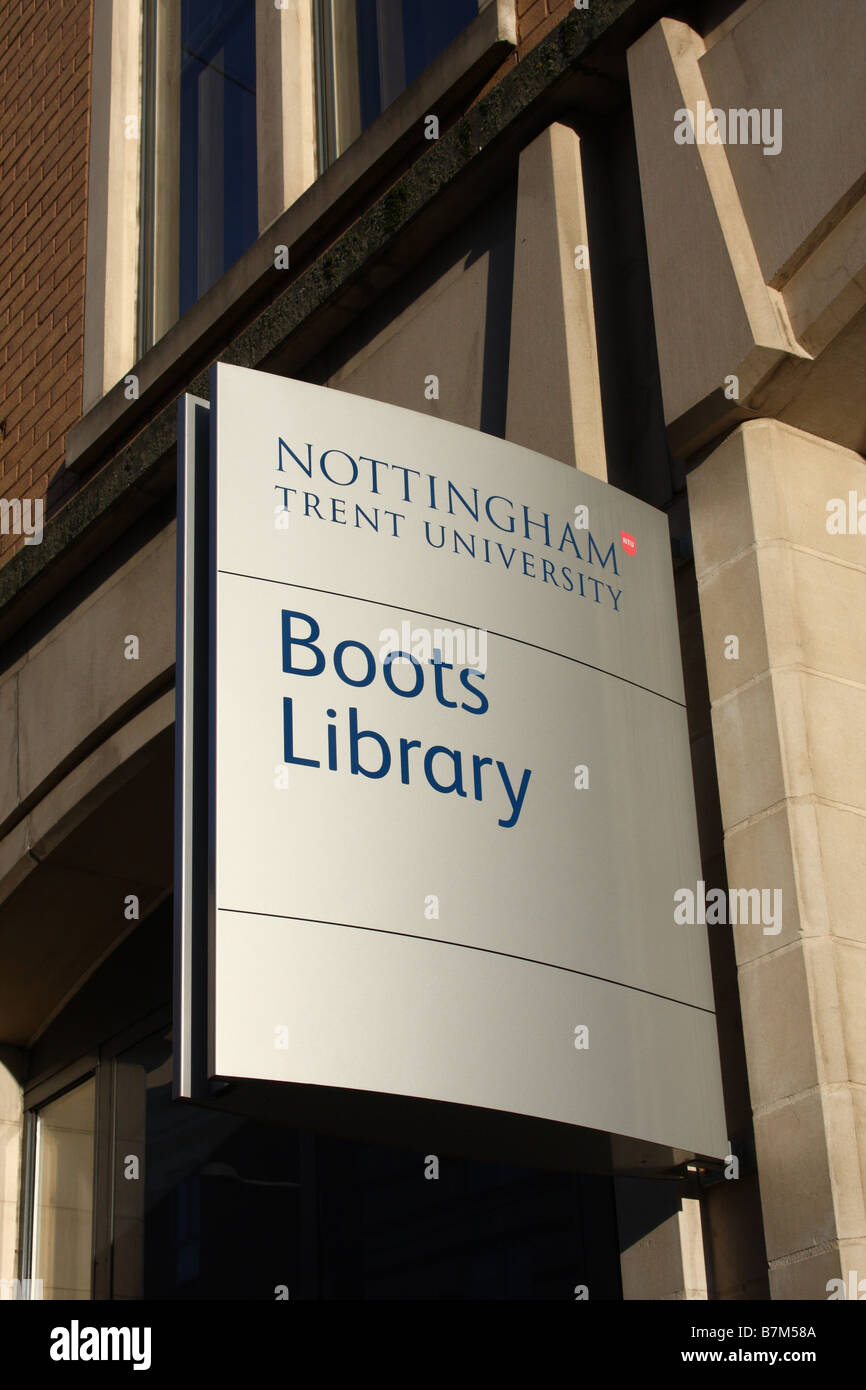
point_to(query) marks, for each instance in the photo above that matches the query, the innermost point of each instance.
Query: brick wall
(536, 18)
(44, 110)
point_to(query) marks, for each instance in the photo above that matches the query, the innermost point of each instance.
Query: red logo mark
(629, 544)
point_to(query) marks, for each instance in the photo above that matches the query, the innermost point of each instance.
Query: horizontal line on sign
(439, 618)
(467, 946)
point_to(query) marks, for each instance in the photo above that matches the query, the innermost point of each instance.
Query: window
(199, 183)
(368, 52)
(191, 1202)
(214, 1213)
(218, 198)
(60, 1245)
(210, 118)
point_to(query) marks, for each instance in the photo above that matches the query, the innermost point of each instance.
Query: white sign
(451, 785)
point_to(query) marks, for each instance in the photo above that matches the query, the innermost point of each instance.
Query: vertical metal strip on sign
(191, 745)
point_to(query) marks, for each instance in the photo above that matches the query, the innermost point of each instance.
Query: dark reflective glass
(397, 40)
(427, 29)
(218, 181)
(196, 1203)
(216, 1215)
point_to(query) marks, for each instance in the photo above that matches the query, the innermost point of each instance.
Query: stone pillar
(112, 199)
(661, 1241)
(788, 700)
(285, 105)
(554, 398)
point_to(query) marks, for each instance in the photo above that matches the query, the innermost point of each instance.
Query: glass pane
(378, 47)
(218, 181)
(215, 1215)
(63, 1234)
(427, 29)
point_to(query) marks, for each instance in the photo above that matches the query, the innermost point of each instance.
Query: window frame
(35, 1099)
(145, 331)
(99, 1063)
(295, 206)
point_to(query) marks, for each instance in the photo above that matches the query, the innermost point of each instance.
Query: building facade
(625, 234)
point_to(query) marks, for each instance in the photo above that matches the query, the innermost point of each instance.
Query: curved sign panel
(451, 796)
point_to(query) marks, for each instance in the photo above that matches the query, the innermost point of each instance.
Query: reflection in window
(215, 1215)
(63, 1197)
(369, 51)
(199, 186)
(218, 198)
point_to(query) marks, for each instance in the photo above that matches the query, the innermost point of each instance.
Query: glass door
(61, 1241)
